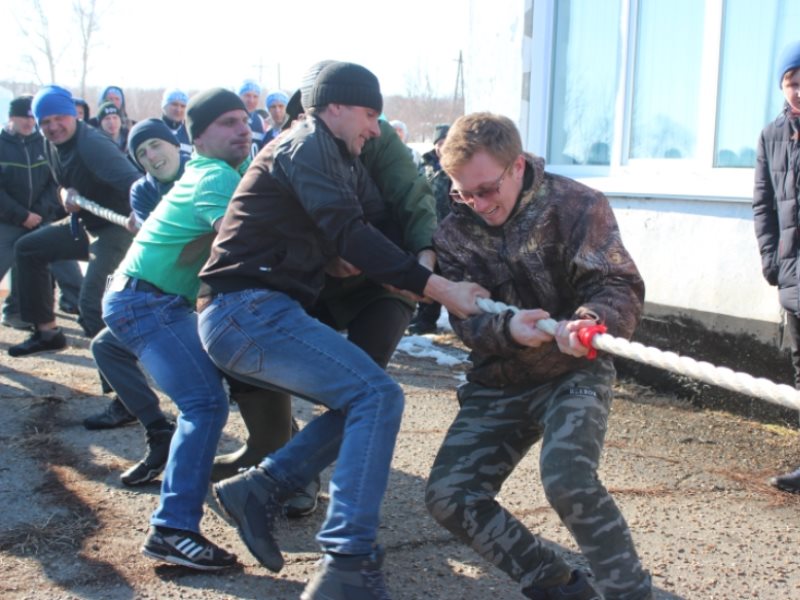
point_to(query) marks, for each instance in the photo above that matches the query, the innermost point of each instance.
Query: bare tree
(86, 14)
(38, 31)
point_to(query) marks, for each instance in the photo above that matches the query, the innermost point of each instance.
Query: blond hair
(494, 134)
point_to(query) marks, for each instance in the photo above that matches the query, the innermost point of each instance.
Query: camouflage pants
(491, 434)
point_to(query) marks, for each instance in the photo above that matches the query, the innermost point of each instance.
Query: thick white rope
(743, 383)
(97, 210)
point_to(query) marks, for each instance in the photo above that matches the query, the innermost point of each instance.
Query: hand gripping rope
(596, 338)
(97, 210)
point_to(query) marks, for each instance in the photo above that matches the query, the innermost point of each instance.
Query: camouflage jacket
(559, 250)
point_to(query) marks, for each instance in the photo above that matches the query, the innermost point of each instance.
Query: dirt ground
(691, 484)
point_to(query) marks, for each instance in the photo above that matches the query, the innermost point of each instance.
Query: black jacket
(26, 184)
(94, 165)
(284, 223)
(776, 204)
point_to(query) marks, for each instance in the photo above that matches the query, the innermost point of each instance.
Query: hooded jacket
(776, 202)
(559, 250)
(26, 184)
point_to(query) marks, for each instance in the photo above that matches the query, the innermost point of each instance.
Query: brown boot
(267, 415)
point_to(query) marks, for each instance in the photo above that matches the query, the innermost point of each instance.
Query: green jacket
(411, 201)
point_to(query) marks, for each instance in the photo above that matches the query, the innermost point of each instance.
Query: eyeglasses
(487, 192)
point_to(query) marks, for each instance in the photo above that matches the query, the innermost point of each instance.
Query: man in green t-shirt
(149, 307)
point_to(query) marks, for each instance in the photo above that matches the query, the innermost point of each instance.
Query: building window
(651, 80)
(753, 36)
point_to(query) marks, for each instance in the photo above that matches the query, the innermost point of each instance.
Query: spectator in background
(276, 106)
(115, 95)
(776, 202)
(428, 313)
(28, 200)
(108, 117)
(401, 129)
(173, 107)
(250, 93)
(84, 114)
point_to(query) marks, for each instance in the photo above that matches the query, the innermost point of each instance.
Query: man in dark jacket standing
(27, 201)
(551, 246)
(776, 201)
(84, 162)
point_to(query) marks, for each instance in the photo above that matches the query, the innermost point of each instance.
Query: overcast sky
(194, 45)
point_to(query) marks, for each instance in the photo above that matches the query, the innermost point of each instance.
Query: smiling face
(227, 138)
(159, 158)
(58, 128)
(488, 187)
(354, 125)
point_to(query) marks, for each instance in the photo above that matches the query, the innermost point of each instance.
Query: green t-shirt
(175, 240)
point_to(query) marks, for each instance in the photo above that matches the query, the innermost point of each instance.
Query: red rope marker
(586, 335)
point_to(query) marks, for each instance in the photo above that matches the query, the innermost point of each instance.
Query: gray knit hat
(346, 83)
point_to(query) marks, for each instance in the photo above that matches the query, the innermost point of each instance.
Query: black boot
(303, 501)
(158, 437)
(114, 415)
(790, 482)
(266, 415)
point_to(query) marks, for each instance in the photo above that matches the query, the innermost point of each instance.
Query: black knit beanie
(205, 107)
(293, 109)
(147, 130)
(21, 106)
(346, 83)
(106, 109)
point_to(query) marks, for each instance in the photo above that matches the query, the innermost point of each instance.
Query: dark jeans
(34, 253)
(793, 329)
(67, 273)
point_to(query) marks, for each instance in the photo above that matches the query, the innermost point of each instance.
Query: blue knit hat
(53, 100)
(249, 86)
(789, 60)
(174, 95)
(147, 130)
(277, 97)
(112, 88)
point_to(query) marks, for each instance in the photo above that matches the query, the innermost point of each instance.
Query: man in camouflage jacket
(550, 246)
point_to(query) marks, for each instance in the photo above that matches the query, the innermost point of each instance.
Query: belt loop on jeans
(140, 285)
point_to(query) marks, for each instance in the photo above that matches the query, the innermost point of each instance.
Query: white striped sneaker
(186, 548)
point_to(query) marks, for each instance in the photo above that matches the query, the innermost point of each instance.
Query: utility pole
(279, 76)
(260, 67)
(459, 92)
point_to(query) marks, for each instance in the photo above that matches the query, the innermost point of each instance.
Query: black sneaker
(186, 548)
(14, 321)
(36, 343)
(114, 415)
(348, 578)
(252, 500)
(147, 469)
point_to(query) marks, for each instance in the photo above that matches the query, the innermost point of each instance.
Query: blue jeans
(161, 330)
(265, 337)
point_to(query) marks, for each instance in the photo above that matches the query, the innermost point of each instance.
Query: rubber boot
(267, 415)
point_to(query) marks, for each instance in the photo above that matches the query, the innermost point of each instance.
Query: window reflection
(585, 79)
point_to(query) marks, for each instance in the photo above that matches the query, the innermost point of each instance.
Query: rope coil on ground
(736, 381)
(97, 210)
